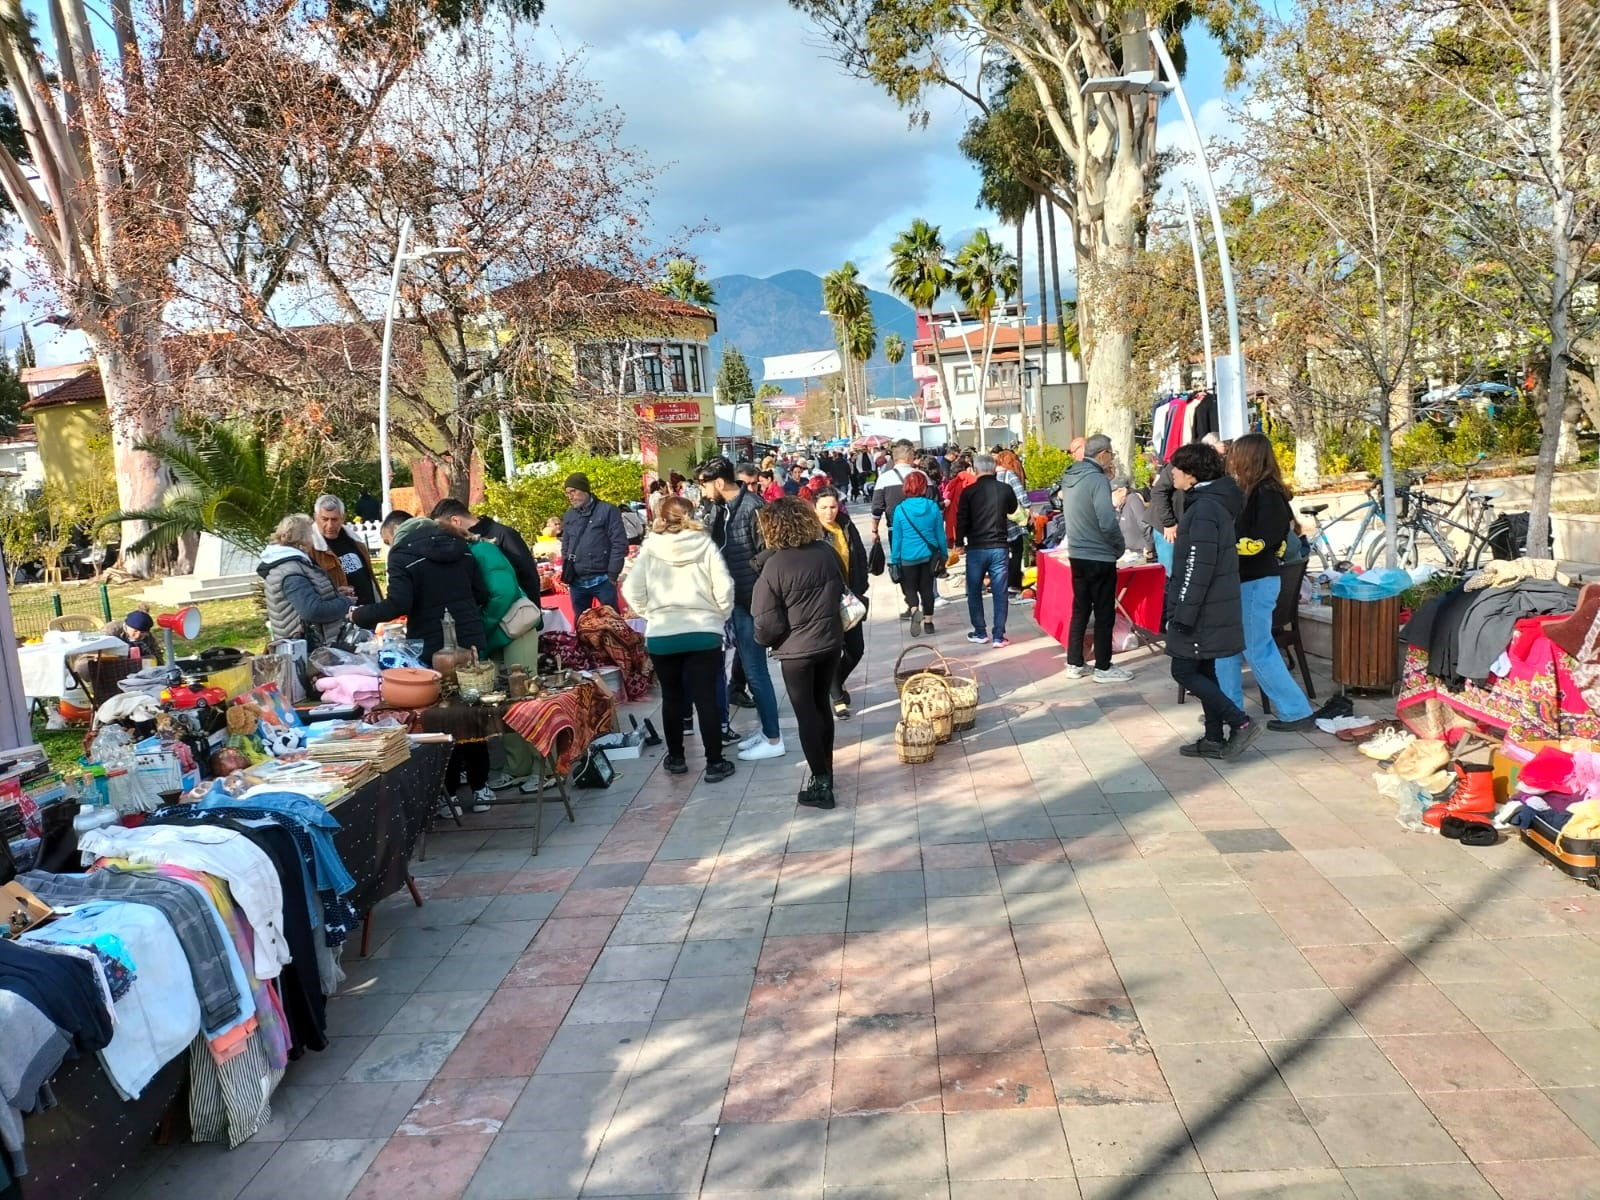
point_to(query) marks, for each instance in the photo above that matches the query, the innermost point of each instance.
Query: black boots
(818, 793)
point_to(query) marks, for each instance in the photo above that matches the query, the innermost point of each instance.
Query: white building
(21, 468)
(949, 360)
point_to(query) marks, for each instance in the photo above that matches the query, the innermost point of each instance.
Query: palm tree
(894, 349)
(918, 269)
(229, 482)
(861, 335)
(683, 282)
(844, 299)
(985, 277)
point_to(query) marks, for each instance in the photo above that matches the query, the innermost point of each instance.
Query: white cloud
(764, 136)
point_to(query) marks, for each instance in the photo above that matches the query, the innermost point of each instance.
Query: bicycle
(1426, 515)
(1371, 523)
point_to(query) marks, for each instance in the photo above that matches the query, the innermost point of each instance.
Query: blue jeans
(754, 657)
(1163, 549)
(1259, 598)
(589, 589)
(992, 562)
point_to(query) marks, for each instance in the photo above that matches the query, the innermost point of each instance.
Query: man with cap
(1130, 508)
(1094, 544)
(593, 546)
(138, 630)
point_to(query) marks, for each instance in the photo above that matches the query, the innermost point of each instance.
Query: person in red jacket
(962, 476)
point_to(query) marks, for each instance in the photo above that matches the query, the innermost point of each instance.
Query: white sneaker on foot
(754, 739)
(763, 749)
(503, 780)
(1079, 672)
(1113, 675)
(483, 799)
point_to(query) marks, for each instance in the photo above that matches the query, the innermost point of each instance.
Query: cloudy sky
(796, 164)
(760, 134)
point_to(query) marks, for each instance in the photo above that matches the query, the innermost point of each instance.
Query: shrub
(1474, 437)
(533, 498)
(1042, 463)
(1420, 446)
(1517, 426)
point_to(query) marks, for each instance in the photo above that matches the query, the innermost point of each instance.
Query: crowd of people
(758, 557)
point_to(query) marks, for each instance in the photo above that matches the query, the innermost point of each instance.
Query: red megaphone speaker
(185, 623)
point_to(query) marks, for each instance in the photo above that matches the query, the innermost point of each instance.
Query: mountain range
(782, 314)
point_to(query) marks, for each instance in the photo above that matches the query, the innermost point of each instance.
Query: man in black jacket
(594, 546)
(431, 572)
(734, 530)
(459, 517)
(982, 523)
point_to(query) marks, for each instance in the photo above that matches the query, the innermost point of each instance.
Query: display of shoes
(1339, 726)
(1422, 758)
(1386, 744)
(1336, 706)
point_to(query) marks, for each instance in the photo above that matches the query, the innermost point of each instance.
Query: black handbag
(875, 560)
(941, 566)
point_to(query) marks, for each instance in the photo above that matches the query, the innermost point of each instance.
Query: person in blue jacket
(917, 548)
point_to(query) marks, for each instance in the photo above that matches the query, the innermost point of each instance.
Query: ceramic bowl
(409, 687)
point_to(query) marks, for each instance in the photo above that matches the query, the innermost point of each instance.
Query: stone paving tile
(1058, 961)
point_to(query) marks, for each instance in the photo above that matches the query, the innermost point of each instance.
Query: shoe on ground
(1204, 748)
(676, 765)
(1386, 744)
(1077, 672)
(908, 614)
(688, 724)
(927, 625)
(819, 794)
(482, 800)
(741, 698)
(844, 694)
(841, 709)
(752, 739)
(1336, 706)
(503, 780)
(977, 638)
(1304, 725)
(1001, 642)
(763, 750)
(717, 771)
(533, 787)
(1239, 741)
(730, 735)
(1113, 675)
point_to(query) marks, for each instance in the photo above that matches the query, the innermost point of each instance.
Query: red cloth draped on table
(604, 633)
(1141, 590)
(564, 723)
(1536, 698)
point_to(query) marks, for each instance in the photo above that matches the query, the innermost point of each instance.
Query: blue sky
(757, 132)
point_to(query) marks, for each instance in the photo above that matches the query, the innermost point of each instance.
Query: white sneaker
(483, 799)
(1386, 744)
(1113, 675)
(503, 781)
(752, 740)
(763, 749)
(531, 786)
(1077, 672)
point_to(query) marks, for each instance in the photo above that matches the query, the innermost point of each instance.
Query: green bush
(1517, 429)
(1420, 446)
(1043, 464)
(534, 498)
(1474, 438)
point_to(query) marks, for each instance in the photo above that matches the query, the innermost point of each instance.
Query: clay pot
(409, 687)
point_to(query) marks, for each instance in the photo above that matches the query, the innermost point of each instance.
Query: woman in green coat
(500, 578)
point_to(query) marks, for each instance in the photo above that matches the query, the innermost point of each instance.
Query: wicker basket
(932, 693)
(964, 695)
(903, 674)
(914, 737)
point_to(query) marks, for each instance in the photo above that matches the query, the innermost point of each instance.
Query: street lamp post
(1231, 409)
(1200, 288)
(401, 257)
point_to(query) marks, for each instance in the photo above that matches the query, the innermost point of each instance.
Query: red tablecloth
(560, 601)
(1140, 590)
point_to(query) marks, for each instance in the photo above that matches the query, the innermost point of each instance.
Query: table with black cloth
(92, 1136)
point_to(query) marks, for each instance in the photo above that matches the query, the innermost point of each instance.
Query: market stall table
(559, 726)
(1141, 592)
(79, 1147)
(46, 669)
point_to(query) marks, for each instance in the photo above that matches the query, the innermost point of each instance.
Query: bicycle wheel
(1405, 550)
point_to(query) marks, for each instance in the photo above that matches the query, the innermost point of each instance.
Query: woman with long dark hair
(840, 532)
(1264, 526)
(795, 609)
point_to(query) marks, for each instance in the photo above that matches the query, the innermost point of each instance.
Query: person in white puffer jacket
(682, 588)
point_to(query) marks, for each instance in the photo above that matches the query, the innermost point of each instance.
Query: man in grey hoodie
(1094, 543)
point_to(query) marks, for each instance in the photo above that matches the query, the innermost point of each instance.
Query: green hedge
(534, 498)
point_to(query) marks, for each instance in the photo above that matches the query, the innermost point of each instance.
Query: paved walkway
(1058, 961)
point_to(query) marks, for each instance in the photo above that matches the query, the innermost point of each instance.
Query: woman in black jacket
(431, 572)
(840, 531)
(1204, 618)
(795, 608)
(1265, 525)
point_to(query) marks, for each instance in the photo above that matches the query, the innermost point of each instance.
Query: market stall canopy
(810, 365)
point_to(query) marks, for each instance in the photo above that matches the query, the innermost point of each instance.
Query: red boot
(1474, 790)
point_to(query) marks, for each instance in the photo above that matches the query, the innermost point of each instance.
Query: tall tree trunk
(1307, 428)
(1561, 240)
(1061, 311)
(1044, 299)
(129, 370)
(1106, 331)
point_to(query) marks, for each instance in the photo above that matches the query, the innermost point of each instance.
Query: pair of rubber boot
(1473, 798)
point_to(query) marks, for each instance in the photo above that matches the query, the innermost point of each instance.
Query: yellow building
(67, 406)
